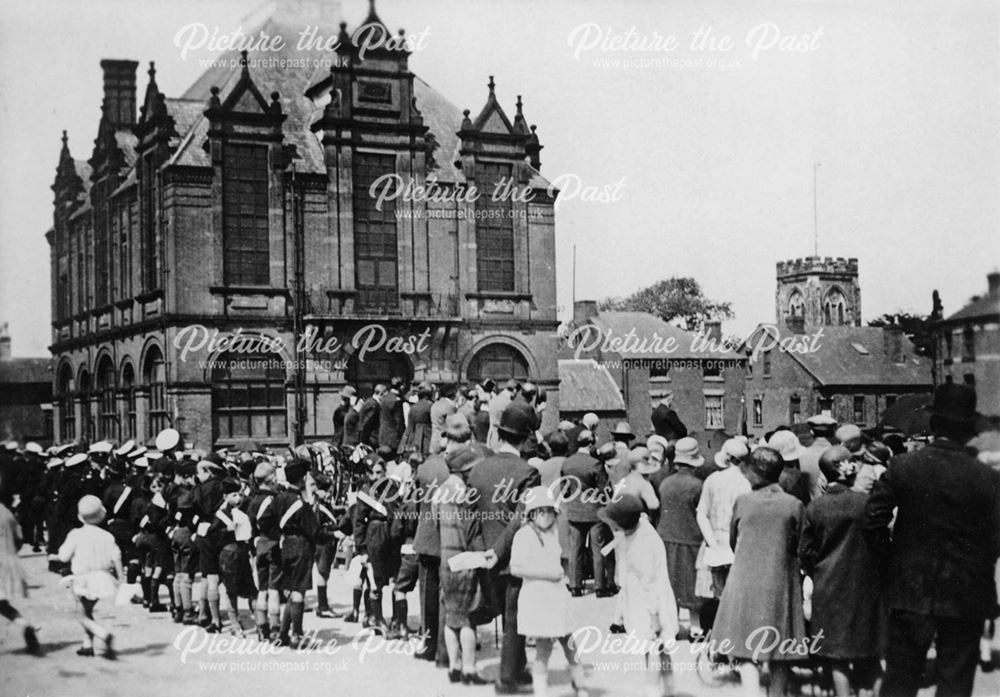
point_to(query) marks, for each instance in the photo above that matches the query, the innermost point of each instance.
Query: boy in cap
(207, 495)
(185, 561)
(327, 548)
(298, 527)
(230, 534)
(267, 554)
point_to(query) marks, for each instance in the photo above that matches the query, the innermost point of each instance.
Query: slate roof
(25, 370)
(837, 362)
(585, 385)
(984, 307)
(652, 337)
(442, 118)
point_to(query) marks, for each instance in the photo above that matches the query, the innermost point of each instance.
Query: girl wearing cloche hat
(543, 603)
(92, 554)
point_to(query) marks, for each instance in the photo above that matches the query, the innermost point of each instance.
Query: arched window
(796, 305)
(107, 424)
(154, 376)
(248, 397)
(499, 362)
(67, 410)
(377, 368)
(128, 392)
(83, 395)
(835, 308)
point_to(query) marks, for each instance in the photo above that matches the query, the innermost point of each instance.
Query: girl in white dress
(12, 579)
(543, 603)
(93, 554)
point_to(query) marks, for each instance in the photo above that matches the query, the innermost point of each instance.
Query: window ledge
(497, 295)
(341, 293)
(269, 291)
(149, 295)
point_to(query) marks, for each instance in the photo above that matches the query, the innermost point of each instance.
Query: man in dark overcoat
(941, 551)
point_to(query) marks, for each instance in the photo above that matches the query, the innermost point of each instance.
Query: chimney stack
(994, 283)
(119, 92)
(584, 310)
(713, 330)
(893, 336)
(4, 342)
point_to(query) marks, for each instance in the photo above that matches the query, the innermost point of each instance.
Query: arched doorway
(499, 362)
(377, 368)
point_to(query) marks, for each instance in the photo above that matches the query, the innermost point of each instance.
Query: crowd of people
(855, 553)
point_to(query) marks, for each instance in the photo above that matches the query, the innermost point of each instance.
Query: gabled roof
(980, 308)
(849, 355)
(585, 385)
(25, 370)
(654, 338)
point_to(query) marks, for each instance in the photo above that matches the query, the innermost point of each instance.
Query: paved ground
(159, 657)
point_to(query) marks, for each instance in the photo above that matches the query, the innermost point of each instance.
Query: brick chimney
(4, 342)
(994, 283)
(893, 336)
(713, 330)
(796, 324)
(119, 92)
(584, 310)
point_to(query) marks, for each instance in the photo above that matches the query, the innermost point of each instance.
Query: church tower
(823, 291)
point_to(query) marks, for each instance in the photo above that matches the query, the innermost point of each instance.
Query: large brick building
(818, 359)
(650, 359)
(968, 346)
(245, 207)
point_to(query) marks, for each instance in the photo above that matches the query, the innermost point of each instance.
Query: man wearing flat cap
(940, 552)
(822, 427)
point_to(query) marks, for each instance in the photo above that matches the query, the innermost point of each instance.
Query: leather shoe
(607, 592)
(473, 679)
(454, 676)
(502, 688)
(576, 592)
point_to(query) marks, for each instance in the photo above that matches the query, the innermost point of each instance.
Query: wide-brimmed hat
(954, 402)
(638, 458)
(733, 448)
(518, 419)
(539, 497)
(787, 444)
(465, 458)
(90, 510)
(101, 447)
(76, 460)
(850, 433)
(623, 431)
(167, 439)
(126, 447)
(590, 420)
(657, 441)
(623, 512)
(822, 422)
(687, 452)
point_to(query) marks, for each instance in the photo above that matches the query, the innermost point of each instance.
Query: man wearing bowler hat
(941, 551)
(499, 481)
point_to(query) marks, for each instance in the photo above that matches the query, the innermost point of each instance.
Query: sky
(706, 152)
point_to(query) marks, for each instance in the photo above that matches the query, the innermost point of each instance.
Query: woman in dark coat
(454, 513)
(760, 615)
(847, 599)
(418, 423)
